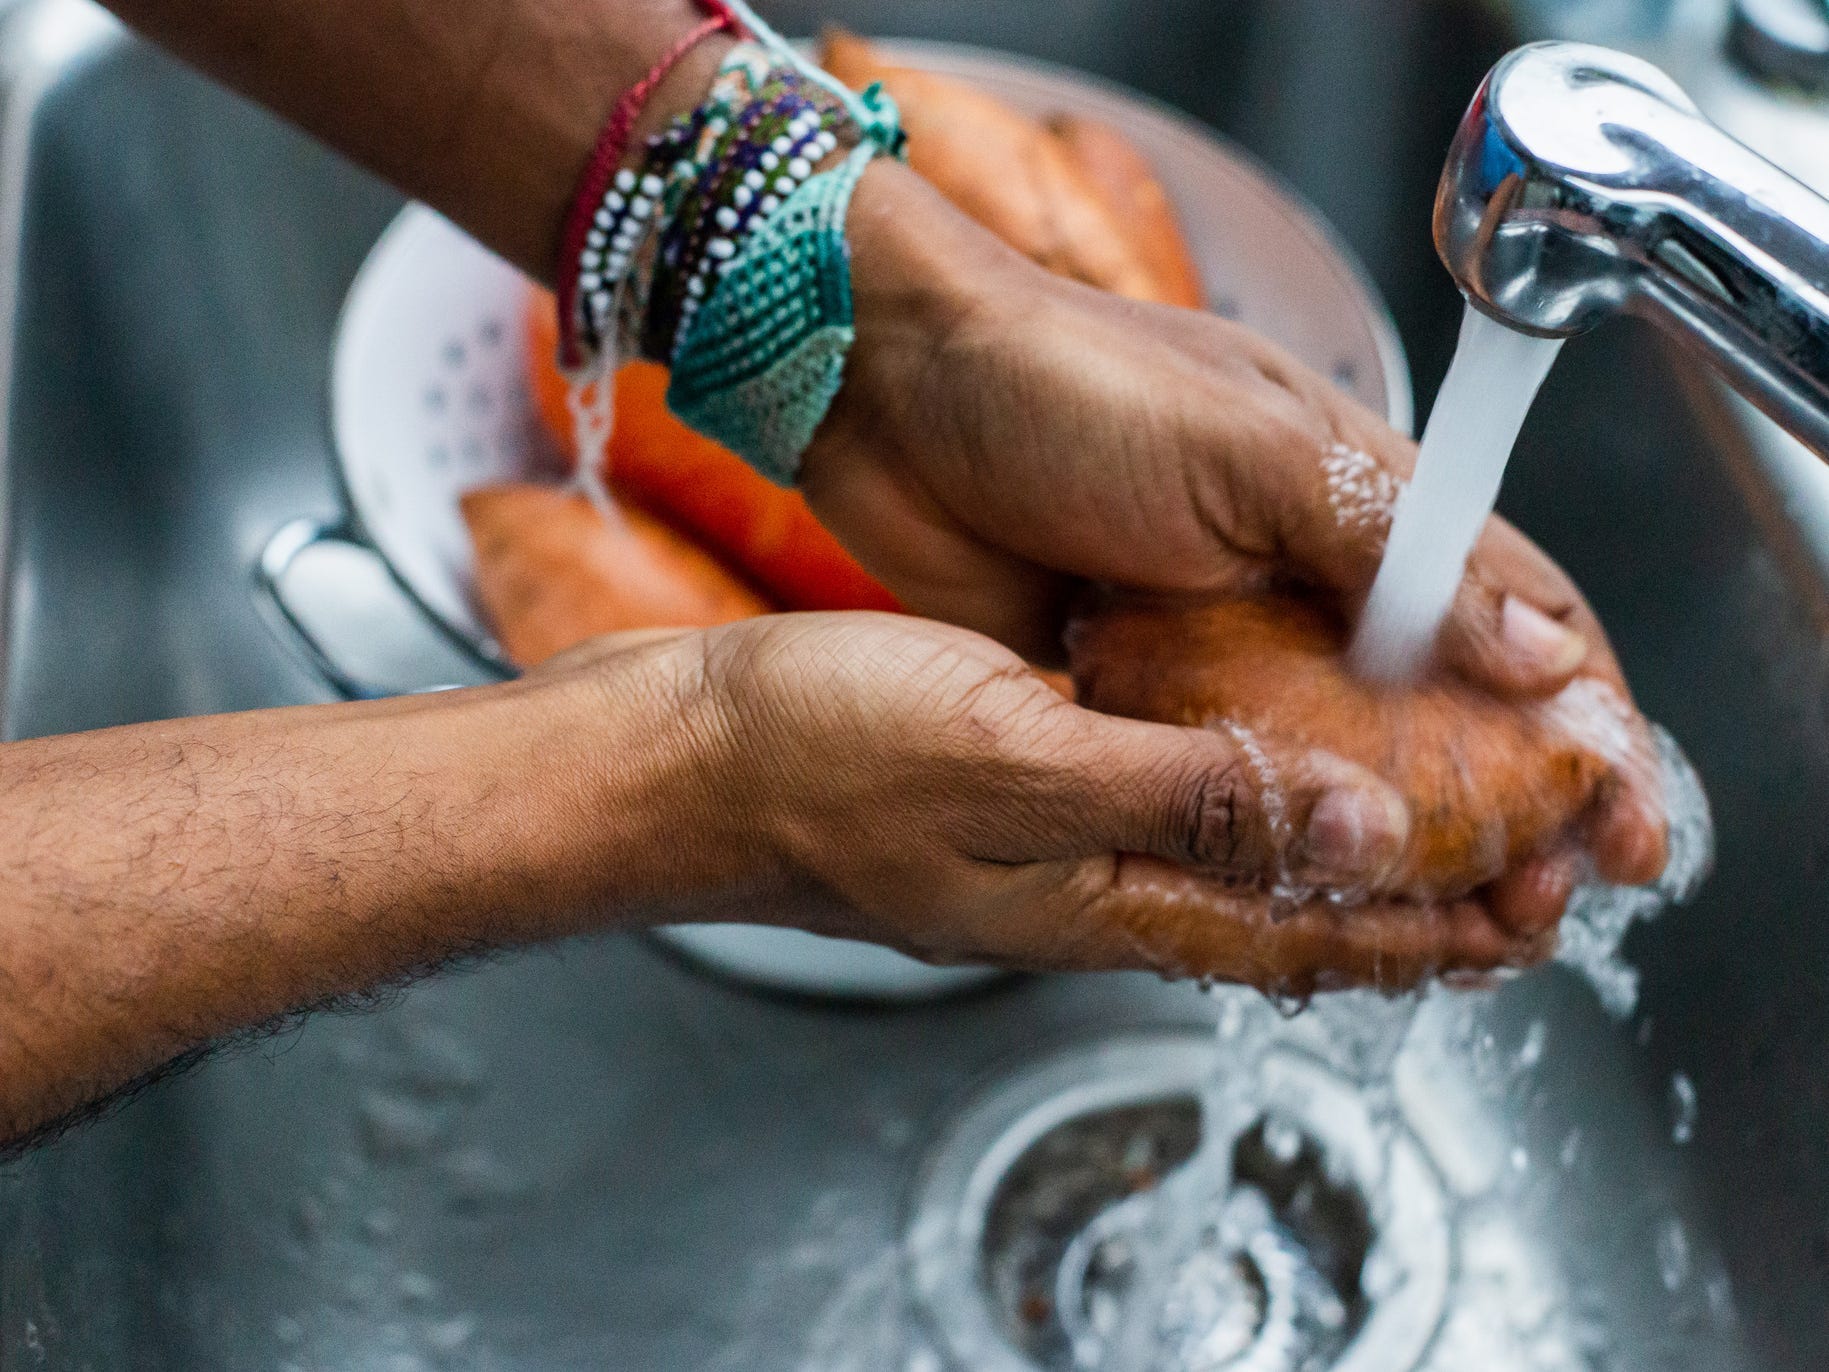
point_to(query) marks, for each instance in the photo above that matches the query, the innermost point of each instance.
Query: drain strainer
(1035, 1214)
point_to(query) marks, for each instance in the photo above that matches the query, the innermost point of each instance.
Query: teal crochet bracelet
(722, 253)
(765, 356)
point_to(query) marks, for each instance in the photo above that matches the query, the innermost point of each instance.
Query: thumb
(1226, 800)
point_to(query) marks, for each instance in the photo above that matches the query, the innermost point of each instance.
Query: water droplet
(1570, 1151)
(447, 1336)
(1520, 1159)
(1290, 1004)
(1682, 1108)
(1643, 1036)
(479, 1180)
(416, 1288)
(1720, 1293)
(397, 1129)
(1530, 1052)
(308, 1219)
(1672, 1253)
(1282, 1140)
(288, 1330)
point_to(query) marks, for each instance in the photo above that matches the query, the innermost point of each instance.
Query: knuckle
(1216, 819)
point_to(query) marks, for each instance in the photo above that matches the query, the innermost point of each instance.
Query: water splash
(1682, 1109)
(1360, 1036)
(1600, 917)
(1672, 1245)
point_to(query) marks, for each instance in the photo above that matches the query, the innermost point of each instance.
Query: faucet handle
(1583, 181)
(1549, 201)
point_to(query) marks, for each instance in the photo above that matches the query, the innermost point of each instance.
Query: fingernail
(1533, 637)
(1355, 834)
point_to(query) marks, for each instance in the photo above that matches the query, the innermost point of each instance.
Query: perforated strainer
(428, 400)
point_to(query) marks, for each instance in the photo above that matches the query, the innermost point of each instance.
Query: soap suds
(1361, 493)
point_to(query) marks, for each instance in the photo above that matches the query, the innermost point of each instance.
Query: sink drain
(1034, 1217)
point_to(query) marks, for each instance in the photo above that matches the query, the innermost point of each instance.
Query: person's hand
(1005, 437)
(917, 785)
(1505, 797)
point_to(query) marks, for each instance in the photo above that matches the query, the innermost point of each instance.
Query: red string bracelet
(606, 157)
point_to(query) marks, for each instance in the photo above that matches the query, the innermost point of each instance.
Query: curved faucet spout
(1583, 181)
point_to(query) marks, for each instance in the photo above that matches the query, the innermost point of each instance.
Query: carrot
(551, 572)
(703, 489)
(1127, 184)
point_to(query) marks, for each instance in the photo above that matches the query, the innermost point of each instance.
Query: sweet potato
(764, 531)
(551, 572)
(1005, 170)
(1490, 784)
(1139, 203)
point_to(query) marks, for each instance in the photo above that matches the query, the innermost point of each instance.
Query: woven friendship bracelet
(763, 360)
(667, 225)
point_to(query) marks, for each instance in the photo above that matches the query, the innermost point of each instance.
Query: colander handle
(280, 580)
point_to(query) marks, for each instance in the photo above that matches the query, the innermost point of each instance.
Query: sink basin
(592, 1156)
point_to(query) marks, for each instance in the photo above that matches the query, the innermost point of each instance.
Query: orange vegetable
(551, 573)
(1005, 170)
(1128, 185)
(1489, 784)
(761, 529)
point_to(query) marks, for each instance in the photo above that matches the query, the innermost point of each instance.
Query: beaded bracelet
(606, 157)
(674, 264)
(759, 367)
(669, 224)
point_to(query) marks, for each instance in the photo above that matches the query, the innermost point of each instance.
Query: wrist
(600, 788)
(923, 278)
(518, 146)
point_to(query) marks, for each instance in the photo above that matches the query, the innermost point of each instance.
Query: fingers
(1629, 836)
(1530, 901)
(1176, 923)
(1626, 829)
(1222, 802)
(1330, 499)
(1518, 624)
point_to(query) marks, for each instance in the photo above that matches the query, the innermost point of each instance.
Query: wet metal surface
(591, 1157)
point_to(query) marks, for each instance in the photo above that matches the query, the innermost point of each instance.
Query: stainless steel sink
(593, 1157)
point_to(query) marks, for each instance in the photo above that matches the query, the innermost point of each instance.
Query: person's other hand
(1005, 437)
(917, 785)
(1507, 798)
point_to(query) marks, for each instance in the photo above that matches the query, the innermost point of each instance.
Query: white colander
(428, 400)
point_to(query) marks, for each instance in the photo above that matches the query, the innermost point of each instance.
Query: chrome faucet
(1583, 181)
